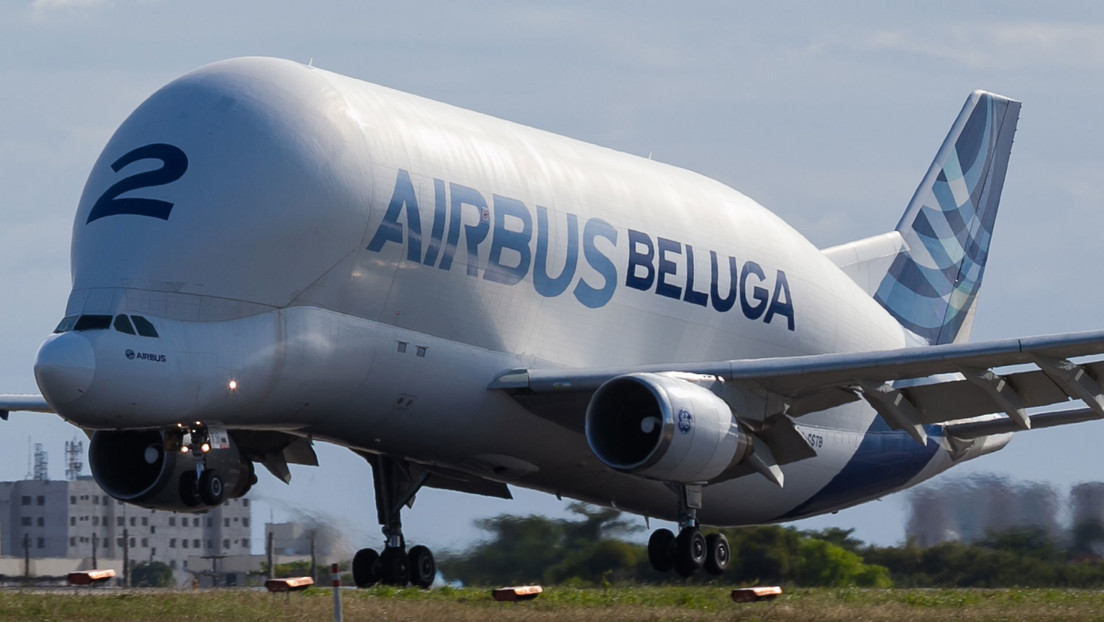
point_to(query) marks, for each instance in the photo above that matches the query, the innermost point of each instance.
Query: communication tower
(74, 450)
(41, 463)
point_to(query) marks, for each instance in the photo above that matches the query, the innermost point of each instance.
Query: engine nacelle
(147, 467)
(665, 428)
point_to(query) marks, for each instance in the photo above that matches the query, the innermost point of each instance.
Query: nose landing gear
(206, 485)
(395, 487)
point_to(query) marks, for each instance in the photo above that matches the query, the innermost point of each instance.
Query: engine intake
(145, 467)
(663, 427)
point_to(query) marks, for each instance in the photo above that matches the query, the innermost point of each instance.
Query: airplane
(267, 254)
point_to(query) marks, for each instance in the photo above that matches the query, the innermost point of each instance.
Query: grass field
(559, 604)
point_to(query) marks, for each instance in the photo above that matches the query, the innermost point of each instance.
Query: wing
(975, 389)
(15, 403)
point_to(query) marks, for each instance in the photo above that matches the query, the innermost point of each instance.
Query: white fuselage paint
(271, 270)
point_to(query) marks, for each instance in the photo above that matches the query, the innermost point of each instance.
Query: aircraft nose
(64, 367)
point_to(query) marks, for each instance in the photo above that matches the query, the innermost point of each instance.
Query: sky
(828, 114)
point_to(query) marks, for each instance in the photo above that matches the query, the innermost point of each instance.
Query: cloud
(992, 46)
(47, 5)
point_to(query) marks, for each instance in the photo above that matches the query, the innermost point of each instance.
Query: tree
(155, 574)
(588, 551)
(1087, 538)
(764, 554)
(518, 550)
(540, 549)
(773, 554)
(824, 564)
(842, 538)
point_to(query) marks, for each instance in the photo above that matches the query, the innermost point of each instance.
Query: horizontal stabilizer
(867, 261)
(18, 403)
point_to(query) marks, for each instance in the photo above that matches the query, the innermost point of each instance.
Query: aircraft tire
(189, 489)
(394, 567)
(690, 551)
(717, 554)
(366, 568)
(423, 568)
(211, 488)
(661, 550)
(250, 477)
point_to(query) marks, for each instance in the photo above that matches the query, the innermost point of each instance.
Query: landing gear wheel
(210, 487)
(423, 568)
(689, 551)
(661, 550)
(189, 489)
(394, 567)
(366, 568)
(250, 477)
(717, 554)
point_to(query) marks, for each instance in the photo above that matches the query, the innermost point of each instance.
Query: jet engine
(664, 427)
(154, 469)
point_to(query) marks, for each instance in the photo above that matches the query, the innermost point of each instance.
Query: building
(969, 510)
(1087, 536)
(75, 519)
(300, 538)
(1087, 500)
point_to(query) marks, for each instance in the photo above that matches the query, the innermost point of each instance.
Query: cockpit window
(67, 323)
(123, 325)
(93, 322)
(144, 327)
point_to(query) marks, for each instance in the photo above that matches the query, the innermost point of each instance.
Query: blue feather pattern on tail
(948, 225)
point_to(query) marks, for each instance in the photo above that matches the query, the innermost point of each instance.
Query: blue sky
(826, 113)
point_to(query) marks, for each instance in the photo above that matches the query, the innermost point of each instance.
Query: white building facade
(75, 519)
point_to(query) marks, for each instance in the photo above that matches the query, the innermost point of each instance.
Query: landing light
(232, 385)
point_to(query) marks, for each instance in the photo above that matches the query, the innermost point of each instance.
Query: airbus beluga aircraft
(267, 254)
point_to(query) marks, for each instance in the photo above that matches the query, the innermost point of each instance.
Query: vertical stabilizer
(932, 286)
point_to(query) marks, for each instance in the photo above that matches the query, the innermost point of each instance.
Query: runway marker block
(290, 584)
(90, 577)
(517, 593)
(752, 594)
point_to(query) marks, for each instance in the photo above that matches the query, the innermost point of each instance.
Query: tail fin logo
(948, 225)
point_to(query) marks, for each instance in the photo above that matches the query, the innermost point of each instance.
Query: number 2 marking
(173, 165)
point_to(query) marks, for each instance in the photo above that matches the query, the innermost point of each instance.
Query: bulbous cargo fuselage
(332, 258)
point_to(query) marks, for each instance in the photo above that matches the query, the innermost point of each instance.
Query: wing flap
(1002, 425)
(1034, 388)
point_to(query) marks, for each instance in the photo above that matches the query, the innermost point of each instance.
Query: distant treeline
(590, 550)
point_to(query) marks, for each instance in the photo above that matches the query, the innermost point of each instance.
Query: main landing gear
(690, 550)
(394, 565)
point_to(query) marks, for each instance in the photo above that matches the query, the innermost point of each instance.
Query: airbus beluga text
(267, 254)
